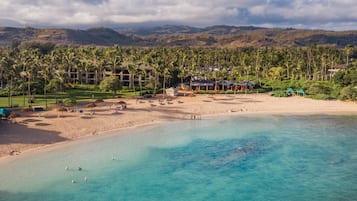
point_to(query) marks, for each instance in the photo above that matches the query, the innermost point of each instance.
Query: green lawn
(80, 94)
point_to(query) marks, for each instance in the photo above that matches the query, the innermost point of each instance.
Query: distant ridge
(182, 29)
(180, 35)
(161, 30)
(95, 36)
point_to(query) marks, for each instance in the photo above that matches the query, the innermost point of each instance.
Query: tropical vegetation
(44, 69)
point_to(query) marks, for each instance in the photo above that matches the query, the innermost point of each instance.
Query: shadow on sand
(21, 134)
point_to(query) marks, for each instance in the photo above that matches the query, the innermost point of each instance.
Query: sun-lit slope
(172, 35)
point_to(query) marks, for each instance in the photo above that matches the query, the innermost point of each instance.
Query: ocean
(253, 157)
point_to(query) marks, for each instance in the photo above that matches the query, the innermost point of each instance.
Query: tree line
(37, 68)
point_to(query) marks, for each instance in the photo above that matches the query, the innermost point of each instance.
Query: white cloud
(299, 13)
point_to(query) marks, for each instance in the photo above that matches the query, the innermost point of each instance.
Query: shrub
(111, 83)
(3, 93)
(263, 90)
(316, 88)
(280, 93)
(346, 77)
(348, 93)
(69, 101)
(321, 97)
(319, 88)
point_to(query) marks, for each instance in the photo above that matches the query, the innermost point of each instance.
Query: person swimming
(66, 168)
(79, 168)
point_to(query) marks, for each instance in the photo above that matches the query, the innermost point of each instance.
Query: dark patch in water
(219, 155)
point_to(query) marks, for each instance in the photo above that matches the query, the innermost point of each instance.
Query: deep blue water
(230, 158)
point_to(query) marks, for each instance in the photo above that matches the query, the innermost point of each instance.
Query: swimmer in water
(66, 168)
(79, 168)
(73, 181)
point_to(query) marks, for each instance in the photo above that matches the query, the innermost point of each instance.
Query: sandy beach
(34, 130)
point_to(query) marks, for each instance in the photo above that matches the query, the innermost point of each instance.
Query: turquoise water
(230, 158)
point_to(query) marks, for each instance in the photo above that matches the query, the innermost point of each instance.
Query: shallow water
(229, 158)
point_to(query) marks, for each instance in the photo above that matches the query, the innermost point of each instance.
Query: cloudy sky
(311, 14)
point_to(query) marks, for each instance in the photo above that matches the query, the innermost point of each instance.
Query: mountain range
(175, 35)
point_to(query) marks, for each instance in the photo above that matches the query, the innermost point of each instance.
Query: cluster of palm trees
(37, 68)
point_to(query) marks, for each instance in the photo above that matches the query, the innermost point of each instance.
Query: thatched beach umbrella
(122, 104)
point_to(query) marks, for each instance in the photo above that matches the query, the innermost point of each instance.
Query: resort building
(95, 77)
(171, 91)
(224, 85)
(336, 68)
(146, 75)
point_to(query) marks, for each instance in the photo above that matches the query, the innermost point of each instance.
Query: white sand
(34, 130)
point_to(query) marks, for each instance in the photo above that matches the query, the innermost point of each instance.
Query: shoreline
(110, 133)
(60, 131)
(59, 145)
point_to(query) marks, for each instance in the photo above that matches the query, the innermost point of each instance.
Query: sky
(307, 14)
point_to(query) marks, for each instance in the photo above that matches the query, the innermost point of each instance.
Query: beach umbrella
(301, 91)
(122, 102)
(290, 91)
(4, 112)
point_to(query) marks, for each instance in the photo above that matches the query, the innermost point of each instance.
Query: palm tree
(276, 74)
(132, 69)
(29, 61)
(113, 57)
(156, 69)
(142, 73)
(166, 74)
(10, 70)
(216, 76)
(348, 51)
(46, 66)
(3, 66)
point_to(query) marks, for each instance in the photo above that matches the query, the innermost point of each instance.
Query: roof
(202, 83)
(226, 82)
(340, 66)
(246, 83)
(171, 89)
(337, 67)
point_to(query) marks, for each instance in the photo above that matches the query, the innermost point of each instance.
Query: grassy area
(80, 93)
